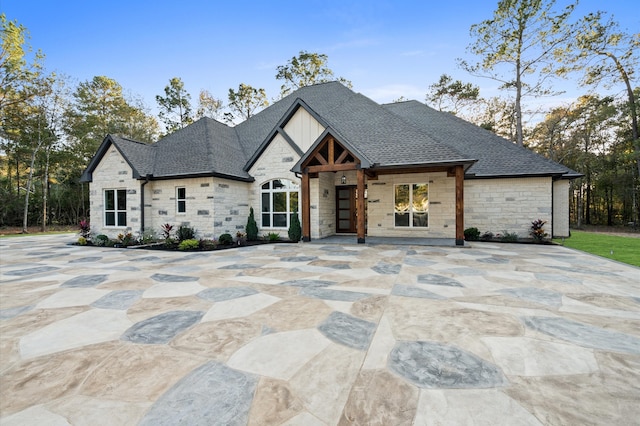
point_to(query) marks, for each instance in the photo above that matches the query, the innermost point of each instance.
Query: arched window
(279, 202)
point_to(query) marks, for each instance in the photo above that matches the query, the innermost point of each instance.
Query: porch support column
(360, 206)
(306, 208)
(459, 205)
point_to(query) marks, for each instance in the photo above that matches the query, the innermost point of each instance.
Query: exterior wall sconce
(343, 179)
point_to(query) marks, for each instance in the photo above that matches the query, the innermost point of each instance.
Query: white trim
(410, 207)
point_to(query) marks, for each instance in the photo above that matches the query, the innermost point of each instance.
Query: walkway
(316, 334)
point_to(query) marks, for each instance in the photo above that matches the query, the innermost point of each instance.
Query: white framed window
(181, 199)
(411, 205)
(279, 201)
(115, 207)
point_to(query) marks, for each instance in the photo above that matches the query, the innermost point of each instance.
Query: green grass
(622, 249)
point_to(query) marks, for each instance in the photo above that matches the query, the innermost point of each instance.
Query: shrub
(252, 227)
(85, 229)
(273, 236)
(508, 237)
(185, 233)
(147, 236)
(126, 239)
(225, 239)
(189, 244)
(295, 231)
(471, 234)
(487, 236)
(537, 230)
(166, 231)
(82, 241)
(102, 240)
(207, 244)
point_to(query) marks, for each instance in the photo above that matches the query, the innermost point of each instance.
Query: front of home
(344, 163)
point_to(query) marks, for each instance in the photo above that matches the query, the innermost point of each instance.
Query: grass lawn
(622, 249)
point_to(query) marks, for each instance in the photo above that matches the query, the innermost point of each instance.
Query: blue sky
(387, 49)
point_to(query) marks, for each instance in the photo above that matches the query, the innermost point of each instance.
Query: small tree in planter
(537, 230)
(295, 231)
(252, 227)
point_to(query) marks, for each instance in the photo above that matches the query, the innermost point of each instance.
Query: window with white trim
(181, 199)
(411, 205)
(279, 199)
(115, 207)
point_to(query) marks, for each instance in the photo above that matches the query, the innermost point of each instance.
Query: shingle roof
(406, 133)
(496, 155)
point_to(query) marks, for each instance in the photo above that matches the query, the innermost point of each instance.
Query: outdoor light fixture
(343, 179)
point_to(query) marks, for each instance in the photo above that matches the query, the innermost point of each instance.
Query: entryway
(346, 211)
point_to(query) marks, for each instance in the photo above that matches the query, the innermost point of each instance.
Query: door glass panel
(344, 214)
(344, 193)
(344, 204)
(344, 224)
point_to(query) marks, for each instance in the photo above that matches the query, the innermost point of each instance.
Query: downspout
(142, 184)
(553, 211)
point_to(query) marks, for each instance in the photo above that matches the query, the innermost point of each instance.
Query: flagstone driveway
(316, 334)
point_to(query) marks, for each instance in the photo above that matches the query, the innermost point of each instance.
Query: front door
(346, 209)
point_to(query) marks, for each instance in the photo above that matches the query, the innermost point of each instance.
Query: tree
(208, 106)
(175, 107)
(246, 100)
(452, 96)
(252, 227)
(497, 115)
(100, 108)
(16, 75)
(304, 70)
(521, 37)
(606, 55)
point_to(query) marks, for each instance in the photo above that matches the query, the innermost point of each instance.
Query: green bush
(252, 227)
(295, 231)
(102, 240)
(207, 244)
(509, 237)
(82, 241)
(273, 236)
(190, 244)
(471, 234)
(225, 239)
(487, 236)
(185, 233)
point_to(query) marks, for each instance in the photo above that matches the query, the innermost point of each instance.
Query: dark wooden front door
(346, 209)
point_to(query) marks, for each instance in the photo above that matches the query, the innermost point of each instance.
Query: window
(115, 207)
(279, 203)
(411, 203)
(181, 197)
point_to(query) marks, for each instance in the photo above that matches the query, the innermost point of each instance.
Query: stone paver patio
(316, 334)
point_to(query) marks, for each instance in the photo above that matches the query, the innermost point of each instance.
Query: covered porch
(331, 156)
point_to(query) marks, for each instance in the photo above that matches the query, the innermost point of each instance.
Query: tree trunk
(45, 193)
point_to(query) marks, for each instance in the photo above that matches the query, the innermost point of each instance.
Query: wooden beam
(397, 171)
(320, 158)
(331, 150)
(360, 206)
(332, 167)
(306, 208)
(342, 156)
(459, 206)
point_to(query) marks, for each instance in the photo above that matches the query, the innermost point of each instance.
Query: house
(345, 163)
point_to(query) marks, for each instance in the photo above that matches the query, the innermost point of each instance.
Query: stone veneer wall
(380, 206)
(510, 204)
(323, 205)
(113, 172)
(560, 208)
(214, 206)
(274, 163)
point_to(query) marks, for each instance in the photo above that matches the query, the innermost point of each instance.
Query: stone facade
(507, 205)
(561, 208)
(380, 206)
(113, 172)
